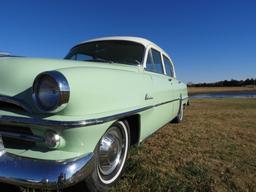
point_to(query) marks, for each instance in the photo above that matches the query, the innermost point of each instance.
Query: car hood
(18, 73)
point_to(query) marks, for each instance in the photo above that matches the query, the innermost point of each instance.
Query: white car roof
(140, 40)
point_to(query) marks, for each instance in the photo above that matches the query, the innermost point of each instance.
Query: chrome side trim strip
(25, 121)
(44, 174)
(24, 137)
(185, 97)
(166, 102)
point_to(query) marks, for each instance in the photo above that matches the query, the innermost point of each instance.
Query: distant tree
(189, 84)
(226, 83)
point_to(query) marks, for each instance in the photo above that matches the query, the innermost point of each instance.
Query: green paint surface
(96, 90)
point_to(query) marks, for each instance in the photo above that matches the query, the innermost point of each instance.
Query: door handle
(169, 79)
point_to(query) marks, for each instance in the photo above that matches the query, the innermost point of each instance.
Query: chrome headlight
(50, 91)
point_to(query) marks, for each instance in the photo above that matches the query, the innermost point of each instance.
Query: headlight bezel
(63, 91)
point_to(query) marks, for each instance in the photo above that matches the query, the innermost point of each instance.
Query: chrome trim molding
(26, 121)
(185, 97)
(166, 102)
(63, 91)
(44, 174)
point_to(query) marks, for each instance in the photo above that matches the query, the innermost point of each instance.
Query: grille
(6, 106)
(13, 142)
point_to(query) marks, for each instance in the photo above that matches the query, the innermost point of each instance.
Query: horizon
(208, 40)
(232, 79)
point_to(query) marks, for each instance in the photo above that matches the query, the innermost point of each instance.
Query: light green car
(72, 120)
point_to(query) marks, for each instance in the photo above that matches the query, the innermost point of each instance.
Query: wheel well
(134, 124)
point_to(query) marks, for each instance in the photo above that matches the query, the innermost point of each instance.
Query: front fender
(99, 90)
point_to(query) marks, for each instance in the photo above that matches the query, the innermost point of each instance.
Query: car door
(174, 83)
(161, 94)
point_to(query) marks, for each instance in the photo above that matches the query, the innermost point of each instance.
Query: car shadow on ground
(81, 187)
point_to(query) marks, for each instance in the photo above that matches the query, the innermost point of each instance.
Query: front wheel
(111, 153)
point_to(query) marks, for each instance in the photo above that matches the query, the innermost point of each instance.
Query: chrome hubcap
(111, 151)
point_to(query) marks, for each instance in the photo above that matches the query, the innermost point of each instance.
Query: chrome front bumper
(44, 174)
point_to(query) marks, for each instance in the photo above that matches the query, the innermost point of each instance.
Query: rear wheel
(180, 115)
(111, 153)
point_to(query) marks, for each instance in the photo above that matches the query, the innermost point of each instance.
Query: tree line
(226, 83)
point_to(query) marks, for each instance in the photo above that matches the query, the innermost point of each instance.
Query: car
(64, 121)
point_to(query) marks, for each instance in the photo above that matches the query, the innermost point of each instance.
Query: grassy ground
(214, 149)
(197, 90)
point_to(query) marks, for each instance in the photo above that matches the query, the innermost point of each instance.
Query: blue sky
(208, 40)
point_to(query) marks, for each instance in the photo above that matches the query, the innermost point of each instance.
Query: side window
(154, 62)
(168, 67)
(150, 62)
(157, 61)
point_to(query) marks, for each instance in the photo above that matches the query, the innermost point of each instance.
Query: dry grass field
(214, 149)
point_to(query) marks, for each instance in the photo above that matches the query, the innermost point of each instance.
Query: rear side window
(168, 67)
(150, 63)
(154, 62)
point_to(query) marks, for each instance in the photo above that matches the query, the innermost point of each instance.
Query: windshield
(110, 51)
